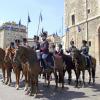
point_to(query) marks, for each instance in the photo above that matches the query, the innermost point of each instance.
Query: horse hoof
(25, 89)
(17, 87)
(9, 84)
(27, 93)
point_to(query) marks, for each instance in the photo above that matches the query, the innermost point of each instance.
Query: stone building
(10, 31)
(82, 20)
(54, 39)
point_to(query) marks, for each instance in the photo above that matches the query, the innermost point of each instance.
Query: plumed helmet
(44, 34)
(84, 41)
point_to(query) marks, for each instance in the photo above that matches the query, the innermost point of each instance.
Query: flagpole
(62, 26)
(27, 30)
(38, 26)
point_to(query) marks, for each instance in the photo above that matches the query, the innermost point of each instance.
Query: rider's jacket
(36, 46)
(84, 50)
(44, 47)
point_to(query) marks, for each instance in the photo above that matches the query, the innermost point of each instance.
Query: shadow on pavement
(59, 94)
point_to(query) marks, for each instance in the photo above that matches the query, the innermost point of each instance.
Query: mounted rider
(72, 46)
(44, 48)
(25, 42)
(52, 49)
(85, 51)
(36, 46)
(17, 43)
(60, 50)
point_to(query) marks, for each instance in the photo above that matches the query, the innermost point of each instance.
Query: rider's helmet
(44, 34)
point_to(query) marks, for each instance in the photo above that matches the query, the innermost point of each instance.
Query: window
(90, 43)
(88, 11)
(73, 19)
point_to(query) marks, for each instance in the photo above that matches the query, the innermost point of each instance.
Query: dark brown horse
(80, 65)
(59, 70)
(2, 65)
(30, 65)
(69, 66)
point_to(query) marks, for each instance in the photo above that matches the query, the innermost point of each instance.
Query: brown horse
(59, 70)
(8, 59)
(30, 65)
(9, 56)
(80, 65)
(2, 65)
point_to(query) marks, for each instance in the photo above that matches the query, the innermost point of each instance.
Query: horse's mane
(2, 54)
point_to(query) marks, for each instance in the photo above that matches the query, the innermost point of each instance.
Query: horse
(2, 65)
(8, 59)
(30, 65)
(17, 68)
(59, 70)
(69, 66)
(80, 65)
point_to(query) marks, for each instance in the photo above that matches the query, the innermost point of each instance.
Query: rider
(25, 42)
(52, 49)
(17, 43)
(85, 51)
(60, 50)
(71, 47)
(12, 46)
(44, 48)
(36, 46)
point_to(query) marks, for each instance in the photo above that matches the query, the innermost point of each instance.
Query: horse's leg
(26, 82)
(3, 72)
(17, 78)
(93, 74)
(83, 76)
(89, 71)
(77, 78)
(69, 76)
(62, 74)
(10, 80)
(56, 79)
(7, 76)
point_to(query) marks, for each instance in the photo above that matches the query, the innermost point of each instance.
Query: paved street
(69, 93)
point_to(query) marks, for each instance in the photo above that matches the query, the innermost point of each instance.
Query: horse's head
(9, 54)
(75, 54)
(21, 54)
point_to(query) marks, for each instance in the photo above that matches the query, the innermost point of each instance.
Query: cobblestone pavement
(89, 92)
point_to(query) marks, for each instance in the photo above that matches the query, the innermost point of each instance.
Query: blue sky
(52, 12)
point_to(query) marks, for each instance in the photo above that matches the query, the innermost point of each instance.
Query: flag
(19, 22)
(79, 28)
(40, 17)
(67, 29)
(29, 20)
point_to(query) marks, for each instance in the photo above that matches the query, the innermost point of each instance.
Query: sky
(52, 13)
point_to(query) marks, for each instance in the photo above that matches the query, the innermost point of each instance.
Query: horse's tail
(93, 67)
